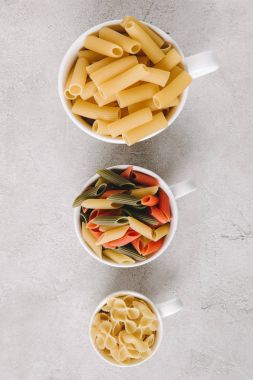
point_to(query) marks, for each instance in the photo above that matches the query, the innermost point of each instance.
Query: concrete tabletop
(48, 285)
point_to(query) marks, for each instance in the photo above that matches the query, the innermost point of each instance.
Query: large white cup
(174, 192)
(197, 65)
(162, 310)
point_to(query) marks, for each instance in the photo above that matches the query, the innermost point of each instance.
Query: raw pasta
(126, 334)
(91, 241)
(136, 94)
(78, 77)
(128, 44)
(117, 257)
(93, 111)
(171, 59)
(103, 47)
(89, 90)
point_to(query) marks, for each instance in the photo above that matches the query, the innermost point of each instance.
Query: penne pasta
(130, 122)
(92, 56)
(123, 80)
(88, 91)
(128, 44)
(113, 221)
(149, 200)
(115, 179)
(160, 232)
(113, 234)
(103, 204)
(136, 94)
(125, 199)
(130, 251)
(163, 98)
(141, 228)
(100, 127)
(146, 103)
(156, 124)
(155, 37)
(117, 257)
(91, 241)
(103, 47)
(148, 46)
(79, 76)
(147, 248)
(157, 76)
(95, 192)
(171, 59)
(99, 64)
(128, 237)
(112, 69)
(142, 192)
(93, 111)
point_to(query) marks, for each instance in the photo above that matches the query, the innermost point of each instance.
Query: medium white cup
(162, 310)
(197, 65)
(174, 192)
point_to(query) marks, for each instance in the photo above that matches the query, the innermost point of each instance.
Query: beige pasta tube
(171, 59)
(112, 69)
(149, 47)
(103, 47)
(113, 234)
(89, 90)
(79, 76)
(174, 73)
(163, 98)
(97, 65)
(167, 48)
(93, 111)
(139, 193)
(136, 94)
(117, 257)
(138, 106)
(104, 204)
(123, 80)
(161, 232)
(155, 37)
(92, 56)
(101, 101)
(156, 124)
(91, 241)
(128, 44)
(140, 227)
(129, 122)
(157, 76)
(67, 94)
(100, 127)
(174, 102)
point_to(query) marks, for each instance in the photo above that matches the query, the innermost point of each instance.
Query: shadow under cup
(67, 63)
(168, 238)
(158, 333)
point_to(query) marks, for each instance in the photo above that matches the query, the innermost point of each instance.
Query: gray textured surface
(49, 286)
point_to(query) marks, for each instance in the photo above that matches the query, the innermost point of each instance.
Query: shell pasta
(124, 330)
(122, 69)
(124, 216)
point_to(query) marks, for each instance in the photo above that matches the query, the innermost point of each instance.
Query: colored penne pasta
(129, 237)
(160, 232)
(128, 44)
(103, 204)
(140, 227)
(96, 191)
(125, 199)
(91, 241)
(110, 220)
(116, 179)
(93, 111)
(147, 248)
(149, 200)
(113, 234)
(117, 257)
(130, 251)
(103, 47)
(139, 193)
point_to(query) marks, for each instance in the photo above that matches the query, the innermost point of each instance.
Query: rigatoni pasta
(126, 213)
(123, 69)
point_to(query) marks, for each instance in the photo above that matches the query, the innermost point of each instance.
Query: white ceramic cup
(162, 310)
(174, 192)
(197, 65)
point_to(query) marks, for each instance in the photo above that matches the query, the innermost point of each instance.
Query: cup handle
(182, 188)
(201, 64)
(170, 307)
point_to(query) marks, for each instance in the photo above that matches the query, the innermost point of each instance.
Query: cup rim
(168, 238)
(154, 307)
(67, 61)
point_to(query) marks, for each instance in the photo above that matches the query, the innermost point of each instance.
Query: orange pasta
(129, 237)
(149, 200)
(144, 179)
(147, 248)
(127, 173)
(164, 204)
(96, 233)
(111, 192)
(158, 215)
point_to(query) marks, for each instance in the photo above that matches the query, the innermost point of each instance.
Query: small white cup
(174, 192)
(162, 310)
(197, 65)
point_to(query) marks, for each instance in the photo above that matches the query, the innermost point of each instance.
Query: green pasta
(84, 216)
(125, 199)
(116, 179)
(145, 218)
(129, 250)
(93, 192)
(110, 220)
